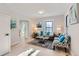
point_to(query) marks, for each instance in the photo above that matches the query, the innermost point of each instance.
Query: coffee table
(42, 39)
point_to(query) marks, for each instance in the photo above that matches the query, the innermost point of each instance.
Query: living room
(42, 29)
(47, 28)
(43, 25)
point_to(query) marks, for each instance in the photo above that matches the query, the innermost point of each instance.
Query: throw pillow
(61, 38)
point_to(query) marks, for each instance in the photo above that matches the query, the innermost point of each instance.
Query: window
(49, 27)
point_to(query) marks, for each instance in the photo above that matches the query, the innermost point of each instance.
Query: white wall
(15, 38)
(73, 31)
(58, 20)
(15, 33)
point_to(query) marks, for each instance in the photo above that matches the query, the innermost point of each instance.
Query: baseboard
(73, 54)
(15, 43)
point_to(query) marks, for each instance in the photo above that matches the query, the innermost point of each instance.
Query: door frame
(20, 26)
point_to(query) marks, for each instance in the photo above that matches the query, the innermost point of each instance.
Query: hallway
(19, 48)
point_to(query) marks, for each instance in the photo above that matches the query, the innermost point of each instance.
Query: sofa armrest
(56, 38)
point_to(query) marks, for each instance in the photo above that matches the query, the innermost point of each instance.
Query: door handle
(7, 34)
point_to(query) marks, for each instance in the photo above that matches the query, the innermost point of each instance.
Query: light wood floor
(19, 48)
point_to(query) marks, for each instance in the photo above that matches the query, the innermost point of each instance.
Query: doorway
(24, 29)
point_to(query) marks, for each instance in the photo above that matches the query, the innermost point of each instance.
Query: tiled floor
(19, 48)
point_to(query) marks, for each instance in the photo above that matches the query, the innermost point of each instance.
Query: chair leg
(65, 49)
(53, 47)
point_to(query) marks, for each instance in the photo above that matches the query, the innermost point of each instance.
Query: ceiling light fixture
(40, 12)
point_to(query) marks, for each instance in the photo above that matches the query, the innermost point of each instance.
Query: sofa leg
(53, 47)
(65, 49)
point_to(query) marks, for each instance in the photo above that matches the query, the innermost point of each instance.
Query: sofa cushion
(61, 38)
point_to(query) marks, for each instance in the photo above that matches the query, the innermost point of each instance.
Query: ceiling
(31, 9)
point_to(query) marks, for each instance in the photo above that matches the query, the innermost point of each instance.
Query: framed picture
(67, 24)
(66, 21)
(39, 25)
(73, 14)
(13, 23)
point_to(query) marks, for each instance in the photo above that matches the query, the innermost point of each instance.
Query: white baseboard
(14, 43)
(73, 53)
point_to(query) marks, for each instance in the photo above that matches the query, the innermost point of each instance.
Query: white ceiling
(31, 9)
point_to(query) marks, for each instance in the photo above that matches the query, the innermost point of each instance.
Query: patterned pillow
(61, 38)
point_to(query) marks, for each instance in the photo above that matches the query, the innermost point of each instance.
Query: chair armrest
(56, 38)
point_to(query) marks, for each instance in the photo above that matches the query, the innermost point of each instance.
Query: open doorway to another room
(24, 30)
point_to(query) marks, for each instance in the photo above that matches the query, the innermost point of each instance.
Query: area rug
(30, 52)
(47, 44)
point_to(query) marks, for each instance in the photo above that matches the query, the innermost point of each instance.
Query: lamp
(59, 29)
(34, 28)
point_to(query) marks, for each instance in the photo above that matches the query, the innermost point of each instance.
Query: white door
(4, 34)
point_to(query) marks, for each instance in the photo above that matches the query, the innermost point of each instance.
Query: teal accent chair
(48, 33)
(64, 44)
(41, 33)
